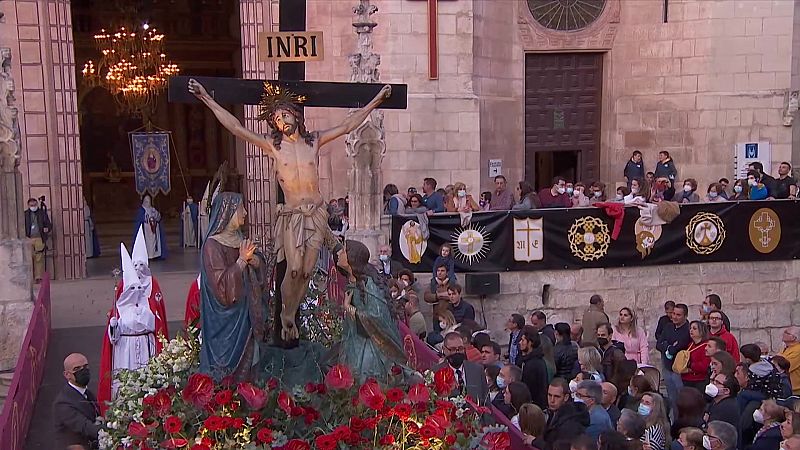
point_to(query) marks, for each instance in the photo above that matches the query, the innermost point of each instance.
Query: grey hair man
(591, 394)
(720, 436)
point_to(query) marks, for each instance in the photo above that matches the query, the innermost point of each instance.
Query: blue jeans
(674, 384)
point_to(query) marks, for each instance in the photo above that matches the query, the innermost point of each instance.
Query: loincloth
(300, 229)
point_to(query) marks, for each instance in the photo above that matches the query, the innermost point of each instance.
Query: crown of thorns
(276, 97)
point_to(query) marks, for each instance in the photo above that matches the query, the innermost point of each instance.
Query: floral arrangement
(163, 406)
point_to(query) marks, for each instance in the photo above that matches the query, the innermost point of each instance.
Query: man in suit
(75, 409)
(387, 267)
(470, 376)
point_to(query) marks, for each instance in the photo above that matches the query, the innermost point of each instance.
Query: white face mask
(442, 325)
(384, 257)
(706, 443)
(634, 190)
(561, 190)
(620, 197)
(758, 416)
(712, 390)
(630, 391)
(462, 193)
(597, 194)
(573, 386)
(33, 208)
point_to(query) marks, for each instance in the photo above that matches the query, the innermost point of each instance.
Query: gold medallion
(589, 238)
(765, 230)
(705, 233)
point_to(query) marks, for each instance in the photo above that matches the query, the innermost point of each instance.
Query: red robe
(156, 303)
(192, 315)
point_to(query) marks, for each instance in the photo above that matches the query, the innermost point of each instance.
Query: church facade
(538, 87)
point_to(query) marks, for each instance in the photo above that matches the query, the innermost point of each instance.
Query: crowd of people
(596, 383)
(639, 187)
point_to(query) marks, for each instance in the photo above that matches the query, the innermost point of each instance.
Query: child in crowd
(445, 257)
(486, 200)
(782, 366)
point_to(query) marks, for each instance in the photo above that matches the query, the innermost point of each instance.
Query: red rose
(200, 447)
(357, 425)
(402, 411)
(339, 377)
(419, 394)
(310, 415)
(450, 439)
(174, 443)
(310, 388)
(444, 381)
(371, 422)
(412, 427)
(341, 432)
(264, 436)
(297, 444)
(254, 397)
(255, 417)
(137, 430)
(353, 440)
(214, 423)
(427, 432)
(371, 396)
(172, 424)
(387, 440)
(396, 370)
(497, 441)
(237, 423)
(421, 408)
(199, 390)
(326, 442)
(272, 384)
(285, 402)
(445, 405)
(322, 389)
(223, 398)
(395, 395)
(296, 411)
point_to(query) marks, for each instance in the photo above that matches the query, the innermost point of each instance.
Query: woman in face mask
(598, 192)
(741, 190)
(689, 192)
(651, 407)
(714, 194)
(461, 202)
(516, 395)
(770, 416)
(492, 375)
(447, 323)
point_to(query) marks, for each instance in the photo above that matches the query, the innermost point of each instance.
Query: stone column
(16, 275)
(366, 146)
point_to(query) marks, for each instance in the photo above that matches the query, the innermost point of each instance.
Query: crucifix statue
(301, 227)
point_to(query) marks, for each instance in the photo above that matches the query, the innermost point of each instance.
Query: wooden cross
(433, 38)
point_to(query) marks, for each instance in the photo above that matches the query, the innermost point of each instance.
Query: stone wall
(759, 297)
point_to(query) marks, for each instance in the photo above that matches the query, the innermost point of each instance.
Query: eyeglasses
(455, 350)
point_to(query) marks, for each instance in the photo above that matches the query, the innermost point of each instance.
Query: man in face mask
(470, 377)
(723, 389)
(613, 358)
(556, 196)
(37, 228)
(720, 436)
(387, 267)
(75, 408)
(508, 374)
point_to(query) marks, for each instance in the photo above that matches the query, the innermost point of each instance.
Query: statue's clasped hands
(348, 306)
(246, 250)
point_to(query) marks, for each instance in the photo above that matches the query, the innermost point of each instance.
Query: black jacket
(569, 421)
(566, 355)
(663, 321)
(613, 363)
(499, 402)
(666, 169)
(550, 332)
(74, 418)
(769, 440)
(634, 170)
(534, 375)
(673, 339)
(726, 410)
(44, 222)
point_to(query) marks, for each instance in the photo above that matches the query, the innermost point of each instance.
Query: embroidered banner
(577, 238)
(151, 162)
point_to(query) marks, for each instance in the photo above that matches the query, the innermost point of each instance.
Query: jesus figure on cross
(301, 227)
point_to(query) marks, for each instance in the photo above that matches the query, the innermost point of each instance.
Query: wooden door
(562, 112)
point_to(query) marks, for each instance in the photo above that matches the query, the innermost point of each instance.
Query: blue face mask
(644, 410)
(570, 191)
(501, 382)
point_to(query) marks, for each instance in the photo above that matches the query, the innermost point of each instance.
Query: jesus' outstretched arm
(228, 120)
(354, 120)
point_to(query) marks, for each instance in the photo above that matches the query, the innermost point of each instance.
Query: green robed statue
(301, 227)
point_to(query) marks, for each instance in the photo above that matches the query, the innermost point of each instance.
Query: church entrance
(562, 116)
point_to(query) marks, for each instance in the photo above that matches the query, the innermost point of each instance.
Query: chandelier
(132, 66)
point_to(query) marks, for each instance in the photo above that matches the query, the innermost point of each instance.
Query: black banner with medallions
(582, 237)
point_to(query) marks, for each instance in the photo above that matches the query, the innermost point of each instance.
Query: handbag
(681, 363)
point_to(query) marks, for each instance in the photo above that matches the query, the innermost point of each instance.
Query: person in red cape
(135, 323)
(192, 315)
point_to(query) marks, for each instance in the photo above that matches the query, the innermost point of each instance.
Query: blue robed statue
(234, 290)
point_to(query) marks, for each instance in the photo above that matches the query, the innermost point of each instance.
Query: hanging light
(132, 66)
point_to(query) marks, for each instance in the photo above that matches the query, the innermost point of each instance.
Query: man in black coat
(75, 409)
(565, 418)
(37, 228)
(470, 377)
(723, 407)
(534, 369)
(508, 374)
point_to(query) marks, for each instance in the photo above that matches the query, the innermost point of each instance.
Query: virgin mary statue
(234, 292)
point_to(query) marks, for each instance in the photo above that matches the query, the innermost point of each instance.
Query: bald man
(75, 409)
(610, 402)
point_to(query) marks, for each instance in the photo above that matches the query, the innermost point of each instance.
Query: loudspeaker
(482, 283)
